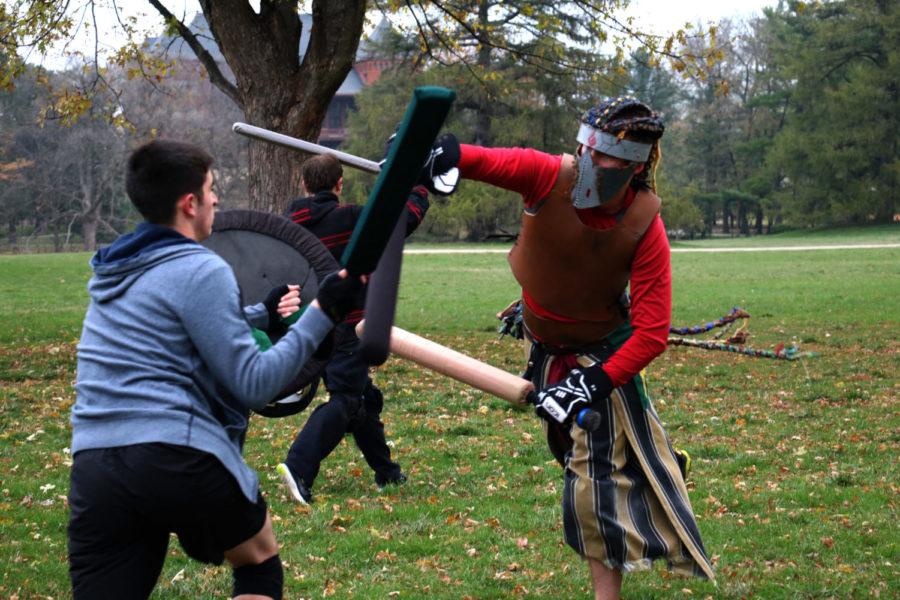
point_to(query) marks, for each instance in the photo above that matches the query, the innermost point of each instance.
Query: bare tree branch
(216, 76)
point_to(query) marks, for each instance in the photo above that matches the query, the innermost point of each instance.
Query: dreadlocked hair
(629, 118)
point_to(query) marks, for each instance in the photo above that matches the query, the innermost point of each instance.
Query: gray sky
(669, 15)
(658, 16)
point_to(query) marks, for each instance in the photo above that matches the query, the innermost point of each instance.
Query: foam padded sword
(400, 171)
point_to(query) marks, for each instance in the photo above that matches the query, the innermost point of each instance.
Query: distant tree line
(795, 125)
(794, 122)
(62, 183)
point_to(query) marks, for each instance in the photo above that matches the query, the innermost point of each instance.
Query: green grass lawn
(795, 480)
(880, 234)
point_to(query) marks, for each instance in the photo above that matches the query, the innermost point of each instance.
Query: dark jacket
(333, 222)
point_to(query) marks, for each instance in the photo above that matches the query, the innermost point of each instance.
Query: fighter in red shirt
(533, 173)
(591, 231)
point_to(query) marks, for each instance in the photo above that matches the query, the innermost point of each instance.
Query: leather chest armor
(574, 270)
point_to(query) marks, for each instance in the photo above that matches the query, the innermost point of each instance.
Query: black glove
(436, 174)
(338, 296)
(511, 321)
(562, 401)
(276, 327)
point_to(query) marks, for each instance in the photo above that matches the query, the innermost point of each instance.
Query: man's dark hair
(321, 173)
(161, 172)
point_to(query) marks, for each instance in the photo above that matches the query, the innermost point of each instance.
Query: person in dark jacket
(355, 403)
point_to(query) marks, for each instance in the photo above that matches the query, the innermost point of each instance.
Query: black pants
(354, 407)
(125, 501)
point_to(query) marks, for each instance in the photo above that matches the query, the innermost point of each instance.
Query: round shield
(266, 251)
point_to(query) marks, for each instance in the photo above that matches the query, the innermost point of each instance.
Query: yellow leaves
(68, 106)
(339, 523)
(427, 563)
(385, 556)
(10, 171)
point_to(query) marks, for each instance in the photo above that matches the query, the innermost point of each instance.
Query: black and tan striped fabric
(625, 503)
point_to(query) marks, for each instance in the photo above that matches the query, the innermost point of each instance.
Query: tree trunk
(12, 237)
(274, 177)
(90, 222)
(483, 134)
(759, 220)
(271, 85)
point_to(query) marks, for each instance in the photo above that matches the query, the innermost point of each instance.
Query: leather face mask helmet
(595, 185)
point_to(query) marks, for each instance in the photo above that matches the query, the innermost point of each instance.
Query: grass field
(795, 480)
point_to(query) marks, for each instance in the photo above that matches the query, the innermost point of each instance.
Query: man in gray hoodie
(167, 374)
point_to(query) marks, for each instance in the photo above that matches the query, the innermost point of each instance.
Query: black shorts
(124, 502)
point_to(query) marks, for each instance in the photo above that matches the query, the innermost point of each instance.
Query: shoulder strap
(641, 213)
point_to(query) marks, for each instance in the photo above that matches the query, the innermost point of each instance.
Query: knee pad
(264, 579)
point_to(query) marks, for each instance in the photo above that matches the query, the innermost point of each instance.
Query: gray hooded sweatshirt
(166, 354)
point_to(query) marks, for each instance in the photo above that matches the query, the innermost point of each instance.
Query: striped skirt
(625, 503)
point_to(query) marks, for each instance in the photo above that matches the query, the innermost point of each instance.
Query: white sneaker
(299, 491)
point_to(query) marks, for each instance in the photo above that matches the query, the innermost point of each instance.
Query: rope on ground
(734, 343)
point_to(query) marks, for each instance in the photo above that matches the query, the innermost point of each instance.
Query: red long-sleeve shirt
(533, 174)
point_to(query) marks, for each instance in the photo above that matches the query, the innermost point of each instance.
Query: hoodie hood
(119, 265)
(311, 210)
